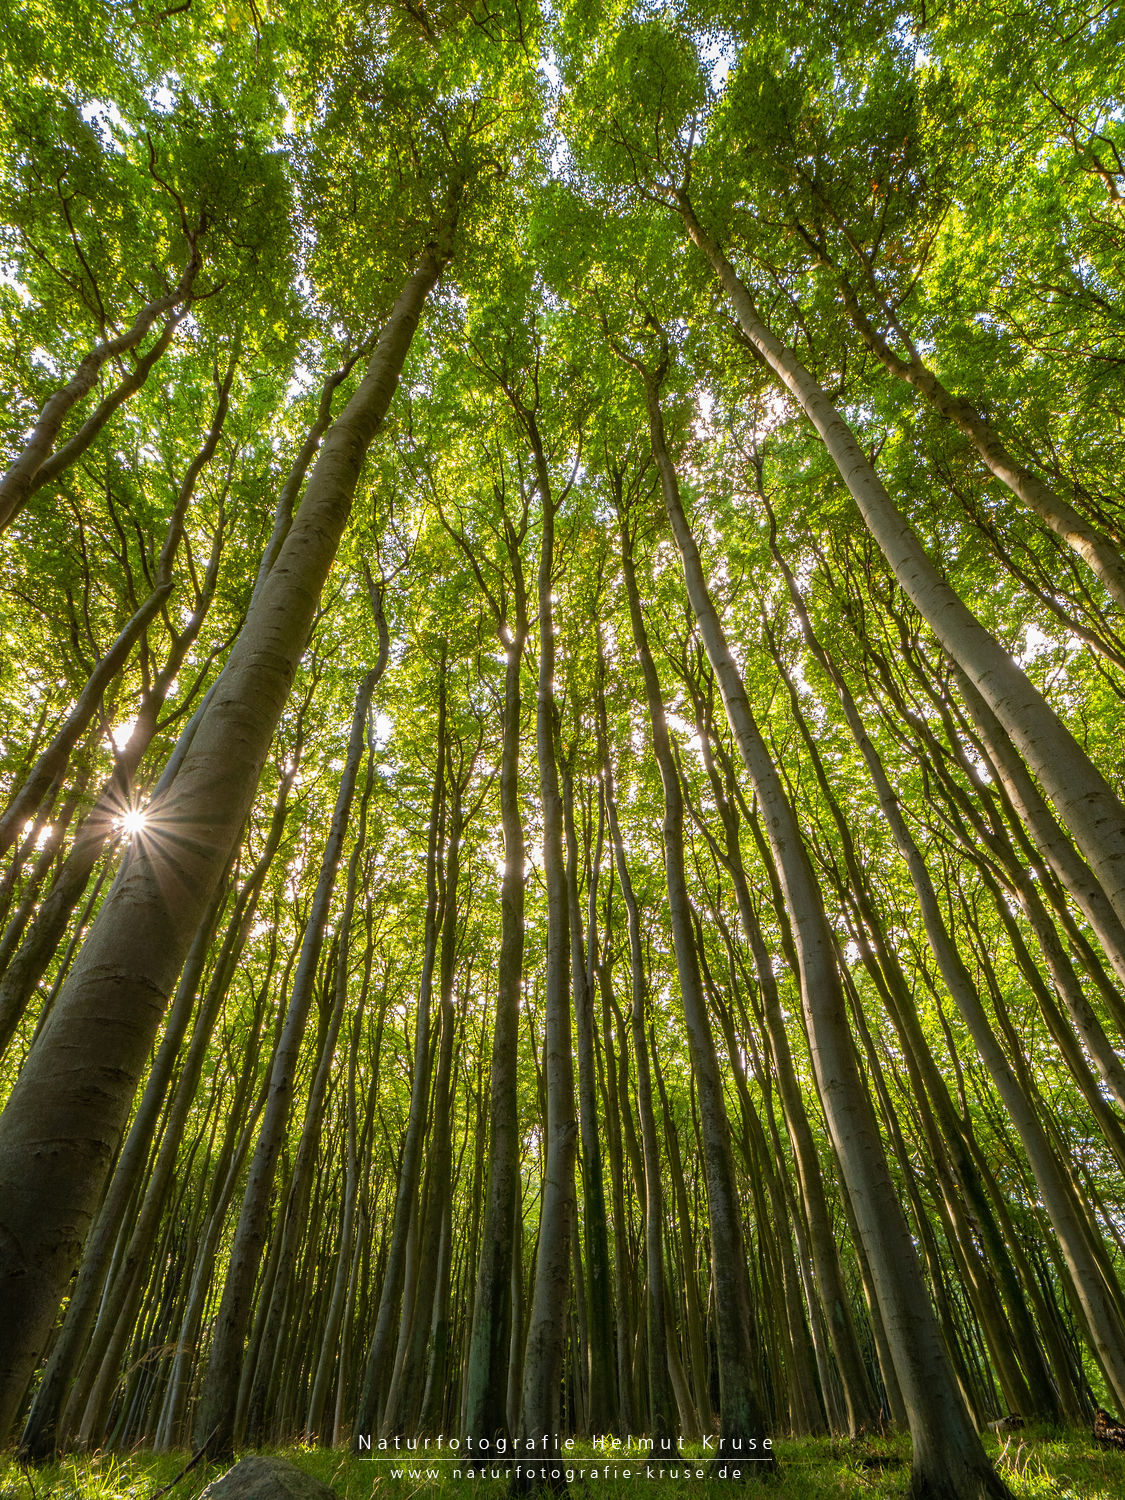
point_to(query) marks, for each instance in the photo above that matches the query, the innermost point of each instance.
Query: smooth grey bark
(27, 468)
(294, 1220)
(49, 841)
(239, 1137)
(394, 1294)
(1086, 803)
(73, 449)
(791, 1367)
(1083, 1262)
(741, 1414)
(545, 1345)
(1050, 838)
(660, 1397)
(405, 1399)
(290, 491)
(39, 1434)
(65, 1116)
(599, 1332)
(1096, 550)
(693, 1386)
(487, 1368)
(98, 827)
(84, 1416)
(53, 761)
(488, 1362)
(345, 1246)
(214, 1425)
(948, 1457)
(1033, 1395)
(614, 1075)
(859, 1397)
(1095, 1303)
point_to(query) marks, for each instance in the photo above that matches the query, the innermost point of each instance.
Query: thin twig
(189, 1465)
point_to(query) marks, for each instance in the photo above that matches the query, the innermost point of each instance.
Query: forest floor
(1036, 1465)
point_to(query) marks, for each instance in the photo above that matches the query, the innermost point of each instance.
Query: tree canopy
(560, 720)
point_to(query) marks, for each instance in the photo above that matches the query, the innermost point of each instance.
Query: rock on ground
(259, 1478)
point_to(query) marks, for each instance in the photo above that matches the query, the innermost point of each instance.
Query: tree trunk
(661, 1412)
(97, 828)
(486, 1375)
(594, 1223)
(38, 1439)
(404, 1399)
(18, 483)
(1095, 549)
(52, 764)
(215, 1418)
(545, 1346)
(65, 1116)
(742, 1420)
(294, 1219)
(1084, 799)
(948, 1457)
(859, 1397)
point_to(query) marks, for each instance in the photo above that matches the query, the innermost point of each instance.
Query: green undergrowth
(1037, 1465)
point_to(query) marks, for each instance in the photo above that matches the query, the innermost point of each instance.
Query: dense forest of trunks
(560, 724)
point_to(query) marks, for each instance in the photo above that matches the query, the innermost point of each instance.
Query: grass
(1037, 1464)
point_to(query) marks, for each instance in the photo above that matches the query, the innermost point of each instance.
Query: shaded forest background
(560, 723)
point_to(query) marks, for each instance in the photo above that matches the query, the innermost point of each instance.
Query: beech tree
(563, 836)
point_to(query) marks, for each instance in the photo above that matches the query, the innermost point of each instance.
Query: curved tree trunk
(53, 761)
(1096, 550)
(73, 449)
(405, 1399)
(64, 1118)
(39, 1435)
(1033, 1396)
(1052, 841)
(315, 1423)
(294, 1219)
(1083, 798)
(97, 828)
(859, 1397)
(215, 1418)
(949, 1460)
(24, 473)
